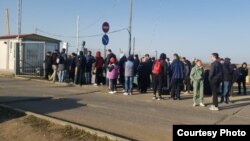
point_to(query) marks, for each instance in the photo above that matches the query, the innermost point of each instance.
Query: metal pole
(77, 34)
(156, 54)
(130, 27)
(105, 52)
(19, 17)
(134, 46)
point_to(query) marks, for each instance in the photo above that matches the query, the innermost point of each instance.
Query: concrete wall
(7, 55)
(3, 55)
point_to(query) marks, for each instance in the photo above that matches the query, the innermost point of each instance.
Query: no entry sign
(105, 27)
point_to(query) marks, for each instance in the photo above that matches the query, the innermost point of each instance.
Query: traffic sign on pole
(105, 27)
(105, 39)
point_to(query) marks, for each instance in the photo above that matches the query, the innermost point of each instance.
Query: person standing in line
(243, 73)
(72, 67)
(177, 75)
(121, 65)
(129, 75)
(99, 68)
(215, 79)
(143, 76)
(90, 60)
(80, 68)
(54, 65)
(110, 54)
(197, 77)
(227, 80)
(148, 70)
(187, 70)
(112, 75)
(48, 65)
(158, 75)
(61, 68)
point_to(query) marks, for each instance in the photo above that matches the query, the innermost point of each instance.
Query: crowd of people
(161, 75)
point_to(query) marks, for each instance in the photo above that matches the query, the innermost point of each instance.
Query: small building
(25, 54)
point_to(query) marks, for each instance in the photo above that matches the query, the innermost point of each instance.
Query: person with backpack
(243, 73)
(112, 75)
(177, 75)
(80, 68)
(158, 73)
(197, 77)
(215, 79)
(129, 75)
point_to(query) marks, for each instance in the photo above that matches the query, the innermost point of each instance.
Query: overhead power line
(85, 36)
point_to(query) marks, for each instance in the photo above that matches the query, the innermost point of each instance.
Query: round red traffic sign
(105, 27)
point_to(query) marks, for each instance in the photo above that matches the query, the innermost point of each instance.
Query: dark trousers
(157, 84)
(176, 87)
(122, 79)
(142, 83)
(244, 86)
(188, 86)
(72, 74)
(215, 87)
(48, 71)
(79, 76)
(99, 76)
(113, 83)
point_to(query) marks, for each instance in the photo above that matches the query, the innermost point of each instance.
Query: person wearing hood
(99, 68)
(112, 75)
(227, 80)
(243, 73)
(121, 65)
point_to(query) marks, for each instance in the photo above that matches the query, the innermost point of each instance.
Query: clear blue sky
(192, 28)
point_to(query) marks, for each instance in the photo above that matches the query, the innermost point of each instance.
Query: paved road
(137, 117)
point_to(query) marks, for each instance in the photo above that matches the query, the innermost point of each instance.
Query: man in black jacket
(215, 78)
(80, 68)
(243, 72)
(227, 80)
(48, 65)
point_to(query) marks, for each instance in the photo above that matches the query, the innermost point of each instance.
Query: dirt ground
(19, 127)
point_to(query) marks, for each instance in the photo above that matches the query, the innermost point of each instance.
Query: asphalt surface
(136, 117)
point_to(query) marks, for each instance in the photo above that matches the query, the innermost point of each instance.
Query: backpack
(60, 60)
(157, 67)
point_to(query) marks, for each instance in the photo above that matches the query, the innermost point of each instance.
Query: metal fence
(30, 58)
